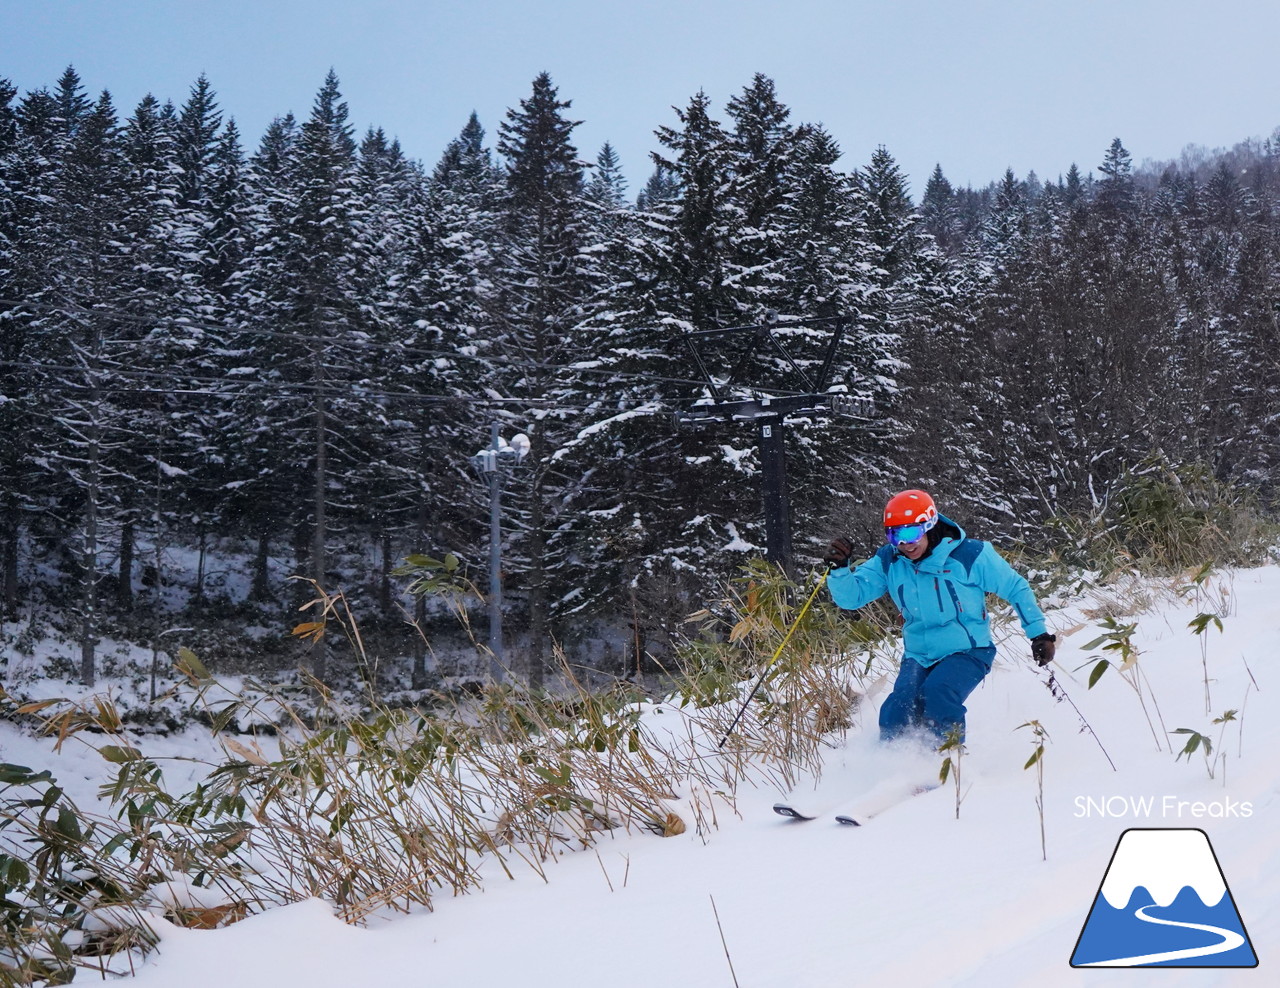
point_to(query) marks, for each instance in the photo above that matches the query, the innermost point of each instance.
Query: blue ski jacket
(943, 596)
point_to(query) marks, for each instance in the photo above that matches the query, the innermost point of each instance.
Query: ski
(880, 801)
(789, 811)
(854, 813)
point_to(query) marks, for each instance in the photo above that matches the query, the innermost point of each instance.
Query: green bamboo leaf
(20, 775)
(1193, 742)
(1201, 621)
(119, 754)
(224, 717)
(190, 666)
(116, 842)
(69, 825)
(14, 872)
(1098, 670)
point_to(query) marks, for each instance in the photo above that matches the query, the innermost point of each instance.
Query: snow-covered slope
(916, 897)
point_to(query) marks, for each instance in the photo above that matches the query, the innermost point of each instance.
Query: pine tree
(83, 434)
(322, 255)
(658, 189)
(465, 160)
(763, 149)
(939, 214)
(160, 291)
(15, 465)
(701, 221)
(1073, 189)
(259, 492)
(1225, 202)
(73, 106)
(31, 166)
(390, 193)
(196, 143)
(890, 217)
(607, 187)
(1004, 237)
(226, 241)
(907, 282)
(541, 278)
(828, 253)
(1116, 189)
(683, 265)
(434, 504)
(302, 412)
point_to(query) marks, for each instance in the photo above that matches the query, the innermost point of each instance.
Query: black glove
(1042, 648)
(838, 553)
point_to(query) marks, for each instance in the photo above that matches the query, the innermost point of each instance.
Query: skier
(939, 580)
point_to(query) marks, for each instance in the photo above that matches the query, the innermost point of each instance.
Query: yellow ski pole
(774, 658)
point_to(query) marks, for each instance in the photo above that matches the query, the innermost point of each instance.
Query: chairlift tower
(770, 412)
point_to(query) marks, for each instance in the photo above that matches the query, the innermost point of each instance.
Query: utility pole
(497, 656)
(493, 463)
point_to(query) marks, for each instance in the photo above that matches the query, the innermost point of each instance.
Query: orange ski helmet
(910, 508)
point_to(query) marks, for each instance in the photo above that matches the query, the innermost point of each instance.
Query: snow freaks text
(1165, 807)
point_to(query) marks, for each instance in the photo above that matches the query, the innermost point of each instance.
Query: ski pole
(774, 658)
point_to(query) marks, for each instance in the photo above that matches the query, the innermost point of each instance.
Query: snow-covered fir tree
(303, 403)
(296, 354)
(82, 439)
(940, 214)
(540, 276)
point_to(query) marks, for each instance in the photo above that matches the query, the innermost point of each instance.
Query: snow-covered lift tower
(732, 399)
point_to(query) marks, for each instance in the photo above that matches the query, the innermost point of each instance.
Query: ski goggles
(905, 534)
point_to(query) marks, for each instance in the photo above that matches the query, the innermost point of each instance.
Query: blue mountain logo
(1164, 902)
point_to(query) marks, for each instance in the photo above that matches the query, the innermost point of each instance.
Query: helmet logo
(911, 508)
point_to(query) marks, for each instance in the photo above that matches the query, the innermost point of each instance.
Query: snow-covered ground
(915, 897)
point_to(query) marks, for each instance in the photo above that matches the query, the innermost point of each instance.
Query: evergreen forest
(224, 363)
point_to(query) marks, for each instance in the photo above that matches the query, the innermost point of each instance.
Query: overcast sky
(976, 85)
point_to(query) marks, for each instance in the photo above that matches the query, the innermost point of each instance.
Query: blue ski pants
(933, 696)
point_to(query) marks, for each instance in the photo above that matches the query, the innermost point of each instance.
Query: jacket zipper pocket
(955, 599)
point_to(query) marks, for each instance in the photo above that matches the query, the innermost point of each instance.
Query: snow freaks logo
(1166, 806)
(1163, 902)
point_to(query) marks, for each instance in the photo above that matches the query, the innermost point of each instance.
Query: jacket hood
(945, 523)
(943, 538)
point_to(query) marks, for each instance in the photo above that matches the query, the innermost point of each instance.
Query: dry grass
(373, 808)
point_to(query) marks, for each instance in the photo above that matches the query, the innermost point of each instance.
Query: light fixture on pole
(493, 463)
